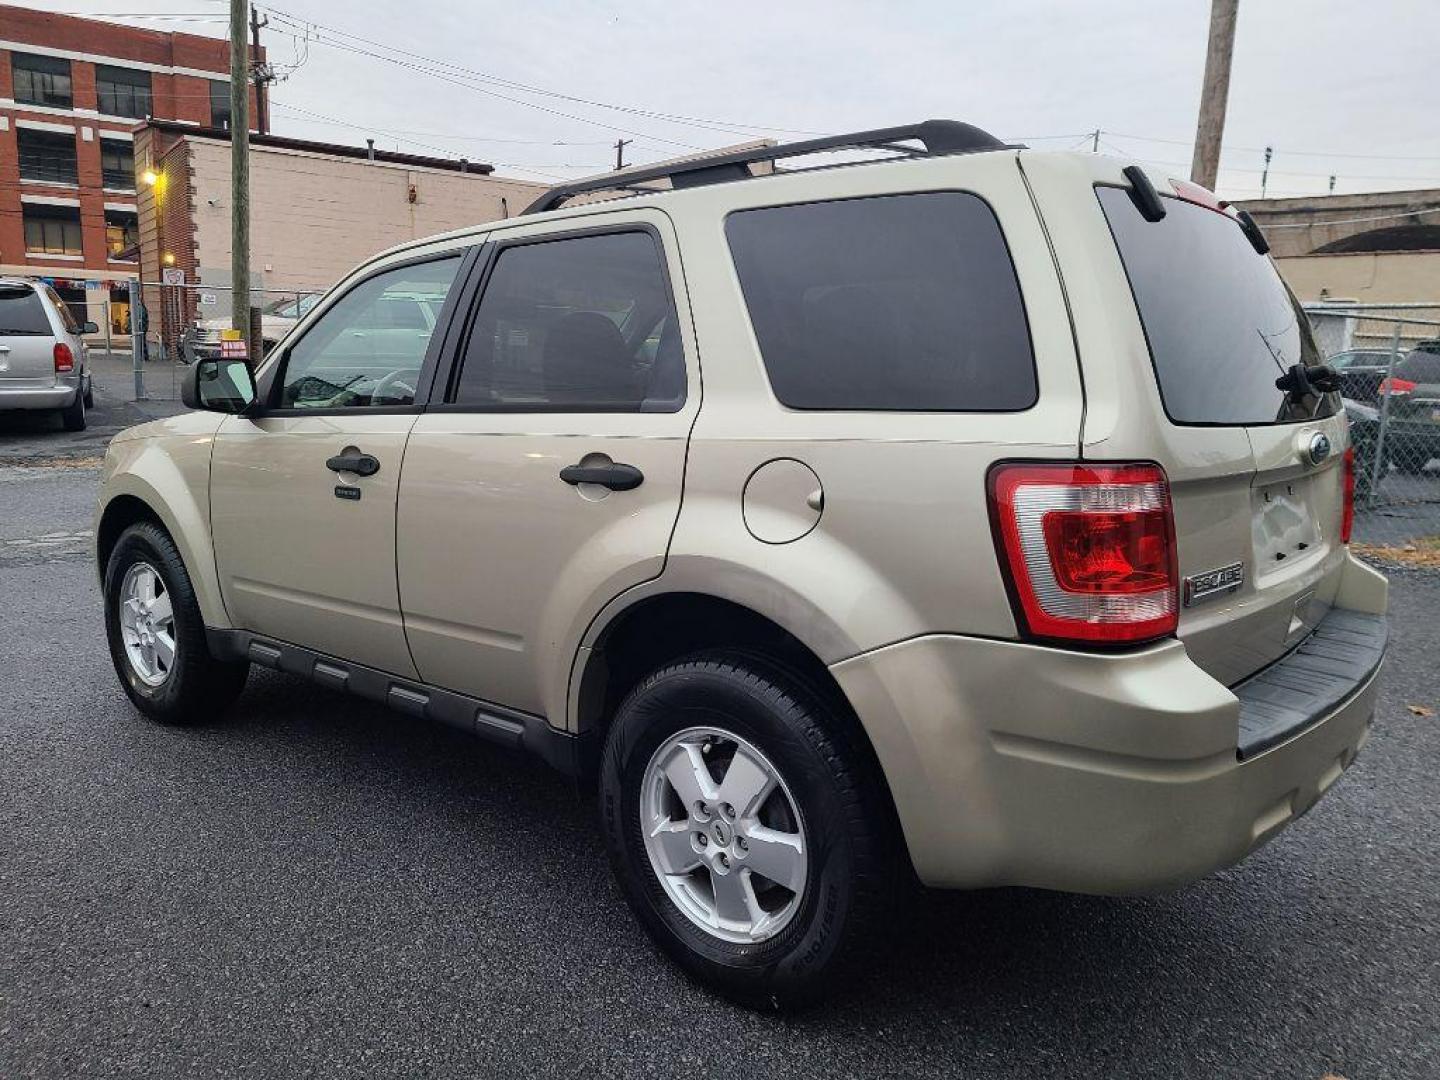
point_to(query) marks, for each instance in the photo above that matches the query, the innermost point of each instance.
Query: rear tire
(160, 654)
(89, 393)
(826, 802)
(73, 415)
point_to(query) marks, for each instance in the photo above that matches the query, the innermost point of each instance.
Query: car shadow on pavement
(1025, 964)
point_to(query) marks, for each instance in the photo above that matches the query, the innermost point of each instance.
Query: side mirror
(225, 386)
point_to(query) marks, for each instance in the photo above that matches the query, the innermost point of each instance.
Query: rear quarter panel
(903, 545)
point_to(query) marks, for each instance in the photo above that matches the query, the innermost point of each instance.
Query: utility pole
(1332, 185)
(1205, 168)
(620, 145)
(1095, 142)
(240, 176)
(261, 73)
(1265, 172)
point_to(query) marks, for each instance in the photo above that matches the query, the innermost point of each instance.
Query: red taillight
(64, 358)
(1347, 511)
(1089, 550)
(1396, 386)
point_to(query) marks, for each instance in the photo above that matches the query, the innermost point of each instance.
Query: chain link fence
(1388, 360)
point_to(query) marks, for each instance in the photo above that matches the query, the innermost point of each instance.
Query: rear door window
(905, 302)
(1221, 325)
(581, 324)
(22, 312)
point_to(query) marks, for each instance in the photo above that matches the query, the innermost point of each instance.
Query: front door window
(366, 351)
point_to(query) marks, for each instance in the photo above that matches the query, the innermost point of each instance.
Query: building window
(123, 91)
(122, 235)
(52, 230)
(117, 164)
(219, 104)
(47, 156)
(41, 80)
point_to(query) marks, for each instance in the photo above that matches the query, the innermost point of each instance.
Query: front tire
(157, 635)
(749, 833)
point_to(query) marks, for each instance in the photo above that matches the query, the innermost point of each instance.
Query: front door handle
(615, 476)
(352, 460)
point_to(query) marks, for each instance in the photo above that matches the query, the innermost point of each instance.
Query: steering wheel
(401, 379)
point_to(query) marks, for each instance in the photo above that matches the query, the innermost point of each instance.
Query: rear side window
(904, 302)
(22, 312)
(1221, 325)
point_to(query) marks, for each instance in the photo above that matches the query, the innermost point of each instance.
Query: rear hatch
(1257, 473)
(27, 342)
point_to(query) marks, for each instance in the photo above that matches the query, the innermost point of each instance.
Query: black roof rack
(937, 136)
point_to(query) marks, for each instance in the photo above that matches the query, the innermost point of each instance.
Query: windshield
(1221, 325)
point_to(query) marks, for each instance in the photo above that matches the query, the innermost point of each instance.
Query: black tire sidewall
(171, 699)
(784, 969)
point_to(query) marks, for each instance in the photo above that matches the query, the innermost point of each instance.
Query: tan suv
(978, 511)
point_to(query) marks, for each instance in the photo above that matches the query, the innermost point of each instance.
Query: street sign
(172, 275)
(208, 299)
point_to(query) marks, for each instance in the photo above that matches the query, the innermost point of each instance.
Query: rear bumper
(39, 397)
(1013, 764)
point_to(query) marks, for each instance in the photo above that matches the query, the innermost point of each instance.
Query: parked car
(276, 320)
(1360, 372)
(1412, 428)
(967, 556)
(1364, 423)
(43, 357)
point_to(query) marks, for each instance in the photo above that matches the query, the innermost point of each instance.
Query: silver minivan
(42, 353)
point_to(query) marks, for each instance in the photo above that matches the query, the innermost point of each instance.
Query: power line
(471, 85)
(1355, 220)
(1296, 153)
(446, 135)
(724, 126)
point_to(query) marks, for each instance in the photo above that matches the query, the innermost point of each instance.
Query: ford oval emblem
(1319, 448)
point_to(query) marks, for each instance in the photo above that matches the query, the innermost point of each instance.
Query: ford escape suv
(975, 511)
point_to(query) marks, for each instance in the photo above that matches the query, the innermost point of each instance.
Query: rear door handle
(352, 460)
(615, 476)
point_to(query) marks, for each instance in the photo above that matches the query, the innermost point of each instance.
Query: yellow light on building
(149, 177)
(168, 258)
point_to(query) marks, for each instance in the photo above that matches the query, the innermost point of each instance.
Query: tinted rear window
(1221, 325)
(1420, 367)
(22, 313)
(905, 302)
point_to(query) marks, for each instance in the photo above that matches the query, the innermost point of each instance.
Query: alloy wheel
(147, 624)
(724, 834)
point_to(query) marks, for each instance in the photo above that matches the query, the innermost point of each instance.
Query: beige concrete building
(316, 210)
(1376, 248)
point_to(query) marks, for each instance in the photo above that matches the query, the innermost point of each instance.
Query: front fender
(170, 474)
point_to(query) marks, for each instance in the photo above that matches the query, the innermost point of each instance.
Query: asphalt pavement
(315, 886)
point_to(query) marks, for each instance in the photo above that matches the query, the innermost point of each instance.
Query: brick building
(72, 91)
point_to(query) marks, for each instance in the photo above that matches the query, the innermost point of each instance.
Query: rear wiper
(1301, 381)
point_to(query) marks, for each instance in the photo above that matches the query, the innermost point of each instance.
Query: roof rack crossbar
(937, 136)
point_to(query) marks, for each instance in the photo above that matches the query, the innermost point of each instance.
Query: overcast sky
(1336, 88)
